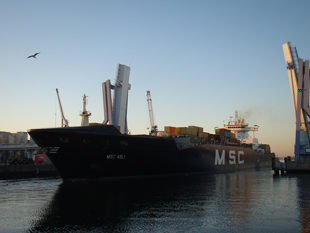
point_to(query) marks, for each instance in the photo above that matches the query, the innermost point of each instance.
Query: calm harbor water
(237, 202)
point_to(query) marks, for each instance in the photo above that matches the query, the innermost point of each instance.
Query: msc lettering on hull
(116, 156)
(220, 159)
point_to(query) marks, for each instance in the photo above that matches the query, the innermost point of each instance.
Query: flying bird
(34, 55)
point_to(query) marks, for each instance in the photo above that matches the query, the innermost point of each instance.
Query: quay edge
(289, 166)
(22, 171)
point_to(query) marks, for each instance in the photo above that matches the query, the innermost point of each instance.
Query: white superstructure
(241, 130)
(85, 114)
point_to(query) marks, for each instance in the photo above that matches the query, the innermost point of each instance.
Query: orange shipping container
(170, 129)
(183, 130)
(177, 130)
(198, 129)
(192, 131)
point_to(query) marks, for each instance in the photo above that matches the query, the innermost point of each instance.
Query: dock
(23, 171)
(289, 166)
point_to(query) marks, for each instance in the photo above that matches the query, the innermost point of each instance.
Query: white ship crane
(85, 114)
(298, 74)
(149, 102)
(64, 122)
(115, 113)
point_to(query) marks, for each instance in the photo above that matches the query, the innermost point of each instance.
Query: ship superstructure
(241, 130)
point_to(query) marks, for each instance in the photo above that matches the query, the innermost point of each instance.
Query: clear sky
(201, 60)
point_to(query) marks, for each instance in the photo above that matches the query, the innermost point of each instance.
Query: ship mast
(85, 114)
(64, 122)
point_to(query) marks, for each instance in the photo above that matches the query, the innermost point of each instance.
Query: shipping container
(193, 131)
(167, 129)
(183, 130)
(203, 135)
(194, 139)
(170, 129)
(226, 134)
(211, 136)
(266, 147)
(223, 133)
(197, 129)
(221, 130)
(190, 130)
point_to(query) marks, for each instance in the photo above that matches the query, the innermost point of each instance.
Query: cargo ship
(107, 150)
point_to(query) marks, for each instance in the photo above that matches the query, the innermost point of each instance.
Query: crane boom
(64, 122)
(149, 101)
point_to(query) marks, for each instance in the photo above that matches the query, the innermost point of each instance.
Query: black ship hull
(99, 152)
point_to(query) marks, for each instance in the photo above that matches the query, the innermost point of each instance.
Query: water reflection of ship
(125, 205)
(105, 206)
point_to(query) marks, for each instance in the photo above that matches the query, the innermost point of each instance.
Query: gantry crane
(298, 74)
(149, 101)
(64, 122)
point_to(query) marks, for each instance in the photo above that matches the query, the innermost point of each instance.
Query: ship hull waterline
(102, 152)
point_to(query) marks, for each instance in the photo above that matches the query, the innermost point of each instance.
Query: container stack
(225, 135)
(204, 135)
(180, 131)
(170, 130)
(195, 133)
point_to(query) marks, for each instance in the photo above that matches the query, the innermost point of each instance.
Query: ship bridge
(298, 74)
(242, 129)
